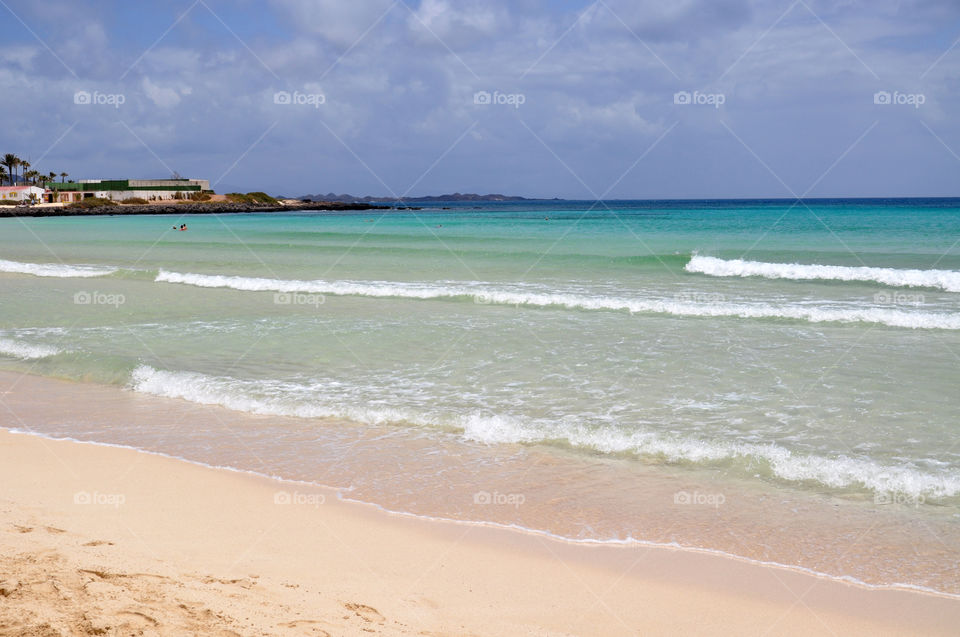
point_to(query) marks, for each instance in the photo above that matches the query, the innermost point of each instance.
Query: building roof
(16, 188)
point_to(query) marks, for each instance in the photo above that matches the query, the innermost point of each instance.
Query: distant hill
(439, 198)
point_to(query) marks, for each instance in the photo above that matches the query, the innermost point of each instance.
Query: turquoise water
(671, 332)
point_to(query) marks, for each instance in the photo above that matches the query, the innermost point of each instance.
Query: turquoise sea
(802, 350)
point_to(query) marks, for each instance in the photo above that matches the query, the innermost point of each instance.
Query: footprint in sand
(99, 543)
(364, 612)
(306, 623)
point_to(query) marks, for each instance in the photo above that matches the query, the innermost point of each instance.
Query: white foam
(947, 280)
(54, 269)
(270, 398)
(837, 472)
(286, 399)
(487, 294)
(26, 351)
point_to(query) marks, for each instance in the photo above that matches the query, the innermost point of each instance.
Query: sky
(614, 99)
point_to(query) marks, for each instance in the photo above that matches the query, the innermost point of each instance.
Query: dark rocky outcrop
(181, 209)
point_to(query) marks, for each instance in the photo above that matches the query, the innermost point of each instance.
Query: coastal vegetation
(92, 202)
(134, 200)
(16, 171)
(251, 198)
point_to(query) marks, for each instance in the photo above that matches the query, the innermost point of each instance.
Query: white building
(21, 193)
(121, 189)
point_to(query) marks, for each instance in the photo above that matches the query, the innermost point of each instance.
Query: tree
(10, 161)
(3, 174)
(63, 176)
(24, 167)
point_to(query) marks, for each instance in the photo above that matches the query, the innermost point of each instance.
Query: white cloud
(163, 96)
(340, 22)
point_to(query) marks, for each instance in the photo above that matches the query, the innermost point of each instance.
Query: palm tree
(31, 176)
(10, 161)
(63, 176)
(51, 176)
(24, 167)
(3, 174)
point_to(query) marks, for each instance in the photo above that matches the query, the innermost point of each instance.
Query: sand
(100, 540)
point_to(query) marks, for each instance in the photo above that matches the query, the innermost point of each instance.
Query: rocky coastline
(198, 208)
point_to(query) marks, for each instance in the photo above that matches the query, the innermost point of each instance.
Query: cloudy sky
(543, 98)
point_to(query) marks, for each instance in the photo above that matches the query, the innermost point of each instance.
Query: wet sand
(102, 540)
(560, 494)
(106, 540)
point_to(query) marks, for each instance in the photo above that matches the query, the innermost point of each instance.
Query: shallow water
(645, 345)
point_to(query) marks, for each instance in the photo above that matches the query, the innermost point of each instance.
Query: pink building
(21, 193)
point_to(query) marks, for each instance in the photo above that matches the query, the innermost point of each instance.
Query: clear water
(651, 333)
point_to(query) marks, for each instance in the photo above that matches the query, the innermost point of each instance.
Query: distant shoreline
(180, 209)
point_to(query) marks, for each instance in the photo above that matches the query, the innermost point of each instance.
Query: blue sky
(540, 98)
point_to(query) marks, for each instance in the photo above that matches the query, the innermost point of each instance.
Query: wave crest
(26, 351)
(531, 296)
(282, 399)
(54, 269)
(947, 280)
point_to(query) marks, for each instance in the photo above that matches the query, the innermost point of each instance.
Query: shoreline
(243, 547)
(630, 543)
(792, 533)
(199, 208)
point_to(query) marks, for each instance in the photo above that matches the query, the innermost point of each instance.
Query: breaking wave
(947, 280)
(539, 297)
(54, 269)
(289, 399)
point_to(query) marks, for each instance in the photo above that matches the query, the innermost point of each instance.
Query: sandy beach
(99, 540)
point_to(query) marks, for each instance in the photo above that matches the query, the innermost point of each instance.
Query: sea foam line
(486, 295)
(26, 351)
(340, 492)
(947, 280)
(54, 269)
(285, 399)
